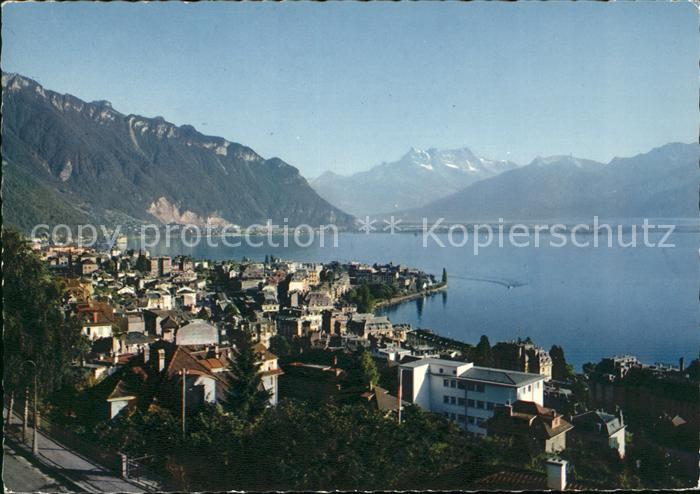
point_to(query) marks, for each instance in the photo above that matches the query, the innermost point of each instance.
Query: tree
(366, 303)
(482, 354)
(561, 371)
(34, 325)
(142, 263)
(246, 398)
(369, 369)
(110, 267)
(444, 276)
(280, 346)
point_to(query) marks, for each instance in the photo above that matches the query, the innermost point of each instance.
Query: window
(445, 382)
(441, 371)
(480, 388)
(454, 371)
(470, 403)
(461, 385)
(489, 405)
(470, 387)
(460, 401)
(453, 400)
(479, 420)
(453, 383)
(479, 404)
(470, 420)
(445, 399)
(460, 418)
(453, 416)
(529, 388)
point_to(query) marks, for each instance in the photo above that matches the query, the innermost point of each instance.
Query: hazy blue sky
(346, 86)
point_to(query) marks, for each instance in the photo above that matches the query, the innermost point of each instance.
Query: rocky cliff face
(67, 160)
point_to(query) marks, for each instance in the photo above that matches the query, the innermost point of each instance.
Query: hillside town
(170, 333)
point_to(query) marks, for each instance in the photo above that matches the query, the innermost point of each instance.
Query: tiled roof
(512, 480)
(262, 350)
(213, 363)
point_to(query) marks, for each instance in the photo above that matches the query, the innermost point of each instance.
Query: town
(174, 339)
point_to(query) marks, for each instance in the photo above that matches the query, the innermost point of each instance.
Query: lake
(595, 302)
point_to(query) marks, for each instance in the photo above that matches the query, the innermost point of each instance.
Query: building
(269, 371)
(600, 427)
(135, 322)
(465, 393)
(335, 321)
(97, 320)
(366, 325)
(153, 268)
(187, 297)
(554, 479)
(298, 282)
(164, 266)
(197, 333)
(159, 299)
(205, 376)
(541, 427)
(522, 356)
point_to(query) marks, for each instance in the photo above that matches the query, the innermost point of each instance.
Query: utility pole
(25, 416)
(399, 393)
(184, 392)
(35, 436)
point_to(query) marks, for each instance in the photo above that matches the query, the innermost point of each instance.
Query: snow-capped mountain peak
(419, 176)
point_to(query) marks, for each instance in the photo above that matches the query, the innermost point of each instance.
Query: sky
(346, 86)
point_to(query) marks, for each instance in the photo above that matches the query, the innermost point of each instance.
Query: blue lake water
(594, 302)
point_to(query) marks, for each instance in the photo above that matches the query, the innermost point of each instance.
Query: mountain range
(416, 179)
(662, 183)
(65, 160)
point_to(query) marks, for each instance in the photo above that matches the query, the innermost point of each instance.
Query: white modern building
(465, 393)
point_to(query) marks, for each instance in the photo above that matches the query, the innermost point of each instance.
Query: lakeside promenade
(411, 296)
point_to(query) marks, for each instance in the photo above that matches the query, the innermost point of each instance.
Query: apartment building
(465, 393)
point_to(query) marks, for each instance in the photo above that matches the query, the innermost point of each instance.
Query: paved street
(19, 475)
(89, 476)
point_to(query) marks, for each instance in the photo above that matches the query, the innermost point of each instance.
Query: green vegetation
(367, 295)
(246, 396)
(280, 346)
(296, 446)
(561, 371)
(482, 354)
(34, 326)
(369, 370)
(142, 264)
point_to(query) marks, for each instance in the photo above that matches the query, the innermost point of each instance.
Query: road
(83, 473)
(19, 475)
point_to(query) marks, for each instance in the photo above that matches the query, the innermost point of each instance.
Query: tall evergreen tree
(560, 369)
(246, 397)
(483, 355)
(369, 370)
(142, 263)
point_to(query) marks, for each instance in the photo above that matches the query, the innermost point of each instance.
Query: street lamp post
(35, 439)
(184, 392)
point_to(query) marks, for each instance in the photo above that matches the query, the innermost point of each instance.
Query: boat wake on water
(504, 282)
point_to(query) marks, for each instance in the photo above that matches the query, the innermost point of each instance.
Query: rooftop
(485, 374)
